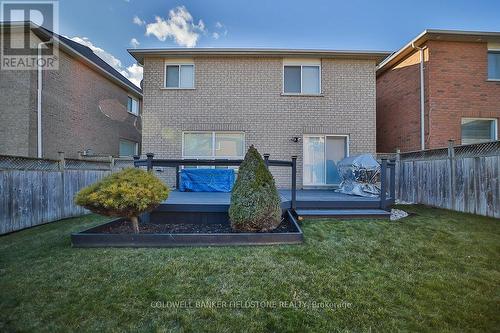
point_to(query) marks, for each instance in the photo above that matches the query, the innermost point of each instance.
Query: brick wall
(244, 94)
(456, 86)
(459, 88)
(84, 110)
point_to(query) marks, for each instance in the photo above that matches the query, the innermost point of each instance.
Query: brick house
(86, 105)
(214, 103)
(461, 91)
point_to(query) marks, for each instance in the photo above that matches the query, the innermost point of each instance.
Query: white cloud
(137, 20)
(218, 25)
(134, 43)
(215, 35)
(133, 72)
(179, 26)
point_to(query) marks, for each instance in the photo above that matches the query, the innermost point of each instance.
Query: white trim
(301, 65)
(179, 64)
(213, 156)
(495, 125)
(324, 152)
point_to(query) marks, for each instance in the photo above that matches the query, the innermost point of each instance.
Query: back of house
(213, 103)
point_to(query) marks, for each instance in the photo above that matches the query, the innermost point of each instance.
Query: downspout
(39, 98)
(422, 95)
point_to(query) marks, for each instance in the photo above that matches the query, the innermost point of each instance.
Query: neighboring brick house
(87, 106)
(461, 99)
(214, 103)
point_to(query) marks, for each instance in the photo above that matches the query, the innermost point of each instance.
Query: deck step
(379, 213)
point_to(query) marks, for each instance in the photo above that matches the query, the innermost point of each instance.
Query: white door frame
(346, 136)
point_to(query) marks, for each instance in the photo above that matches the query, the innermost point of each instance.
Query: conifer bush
(255, 201)
(127, 193)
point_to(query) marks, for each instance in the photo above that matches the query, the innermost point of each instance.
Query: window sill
(135, 115)
(164, 88)
(493, 80)
(303, 95)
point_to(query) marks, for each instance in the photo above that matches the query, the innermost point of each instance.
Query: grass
(435, 271)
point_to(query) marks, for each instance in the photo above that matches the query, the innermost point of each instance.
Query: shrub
(127, 193)
(255, 201)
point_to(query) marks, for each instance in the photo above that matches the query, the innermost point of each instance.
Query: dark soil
(125, 227)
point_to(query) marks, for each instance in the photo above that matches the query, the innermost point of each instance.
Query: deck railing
(387, 183)
(150, 162)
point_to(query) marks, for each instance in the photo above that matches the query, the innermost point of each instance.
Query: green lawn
(434, 271)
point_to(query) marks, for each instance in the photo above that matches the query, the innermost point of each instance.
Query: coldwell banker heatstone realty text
(249, 304)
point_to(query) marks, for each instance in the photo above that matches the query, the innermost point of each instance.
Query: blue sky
(354, 25)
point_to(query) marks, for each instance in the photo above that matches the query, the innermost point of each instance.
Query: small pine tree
(127, 193)
(255, 201)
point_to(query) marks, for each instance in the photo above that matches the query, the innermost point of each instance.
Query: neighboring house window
(477, 130)
(179, 76)
(128, 148)
(494, 65)
(133, 106)
(213, 145)
(302, 79)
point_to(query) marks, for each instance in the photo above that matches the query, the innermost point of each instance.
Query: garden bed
(119, 233)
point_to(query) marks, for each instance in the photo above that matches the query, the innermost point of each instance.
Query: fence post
(294, 182)
(149, 157)
(266, 160)
(62, 161)
(451, 178)
(383, 177)
(398, 172)
(111, 162)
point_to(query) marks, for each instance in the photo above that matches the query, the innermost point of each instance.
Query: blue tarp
(206, 180)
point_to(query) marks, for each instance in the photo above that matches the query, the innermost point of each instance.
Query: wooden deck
(306, 199)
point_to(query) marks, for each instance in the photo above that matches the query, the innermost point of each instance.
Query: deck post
(392, 190)
(383, 177)
(266, 160)
(150, 161)
(136, 158)
(177, 180)
(294, 182)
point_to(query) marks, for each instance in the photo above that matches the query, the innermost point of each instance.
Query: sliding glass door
(321, 155)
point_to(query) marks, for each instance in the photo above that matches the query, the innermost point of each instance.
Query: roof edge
(436, 34)
(47, 34)
(139, 54)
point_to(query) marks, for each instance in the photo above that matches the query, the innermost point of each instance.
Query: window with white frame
(302, 79)
(179, 76)
(213, 145)
(494, 65)
(133, 105)
(128, 148)
(477, 130)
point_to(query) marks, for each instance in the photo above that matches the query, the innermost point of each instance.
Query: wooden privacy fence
(36, 191)
(462, 178)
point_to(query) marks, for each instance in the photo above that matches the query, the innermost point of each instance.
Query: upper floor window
(133, 105)
(179, 76)
(477, 130)
(494, 65)
(302, 79)
(212, 145)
